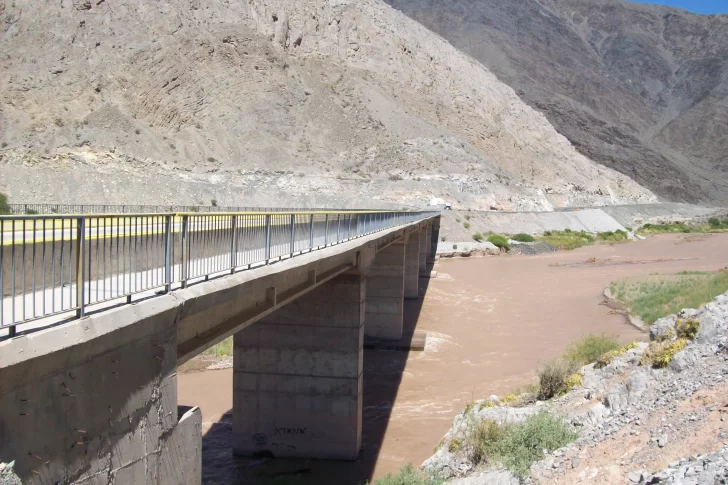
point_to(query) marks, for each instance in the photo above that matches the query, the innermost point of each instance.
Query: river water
(490, 322)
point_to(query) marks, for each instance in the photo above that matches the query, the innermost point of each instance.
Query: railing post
(326, 231)
(348, 230)
(267, 238)
(310, 231)
(80, 270)
(185, 255)
(293, 234)
(338, 228)
(233, 244)
(168, 253)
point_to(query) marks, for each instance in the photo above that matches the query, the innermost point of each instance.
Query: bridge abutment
(297, 384)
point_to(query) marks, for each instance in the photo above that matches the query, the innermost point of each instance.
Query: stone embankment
(636, 423)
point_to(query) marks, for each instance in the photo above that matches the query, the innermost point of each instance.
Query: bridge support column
(385, 293)
(412, 266)
(434, 240)
(425, 232)
(298, 376)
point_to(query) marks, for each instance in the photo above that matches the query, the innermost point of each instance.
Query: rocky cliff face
(639, 88)
(309, 102)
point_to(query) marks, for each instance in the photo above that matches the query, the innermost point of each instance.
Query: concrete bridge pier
(412, 265)
(297, 384)
(425, 234)
(434, 240)
(385, 293)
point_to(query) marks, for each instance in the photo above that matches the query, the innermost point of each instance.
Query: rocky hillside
(643, 414)
(639, 88)
(269, 102)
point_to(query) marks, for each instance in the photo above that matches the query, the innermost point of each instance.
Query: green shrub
(221, 349)
(590, 348)
(478, 237)
(725, 222)
(566, 239)
(613, 236)
(553, 376)
(518, 446)
(454, 246)
(466, 225)
(213, 203)
(457, 219)
(467, 216)
(4, 206)
(499, 241)
(408, 475)
(31, 212)
(714, 222)
(521, 237)
(567, 230)
(687, 230)
(443, 238)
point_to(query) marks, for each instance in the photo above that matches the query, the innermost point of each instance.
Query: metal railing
(42, 209)
(58, 265)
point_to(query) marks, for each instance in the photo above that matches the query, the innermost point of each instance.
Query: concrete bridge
(94, 400)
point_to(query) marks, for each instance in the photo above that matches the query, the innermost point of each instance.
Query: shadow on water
(383, 371)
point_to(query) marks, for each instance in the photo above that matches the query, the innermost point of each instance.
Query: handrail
(62, 265)
(89, 209)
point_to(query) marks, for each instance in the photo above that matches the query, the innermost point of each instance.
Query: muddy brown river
(490, 322)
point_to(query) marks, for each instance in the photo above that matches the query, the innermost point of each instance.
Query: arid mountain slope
(639, 88)
(265, 102)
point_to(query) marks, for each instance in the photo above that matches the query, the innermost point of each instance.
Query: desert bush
(478, 237)
(454, 246)
(395, 177)
(408, 475)
(687, 329)
(522, 237)
(714, 222)
(518, 446)
(213, 203)
(467, 217)
(608, 357)
(590, 348)
(443, 238)
(466, 225)
(660, 354)
(547, 233)
(457, 219)
(499, 241)
(4, 206)
(552, 377)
